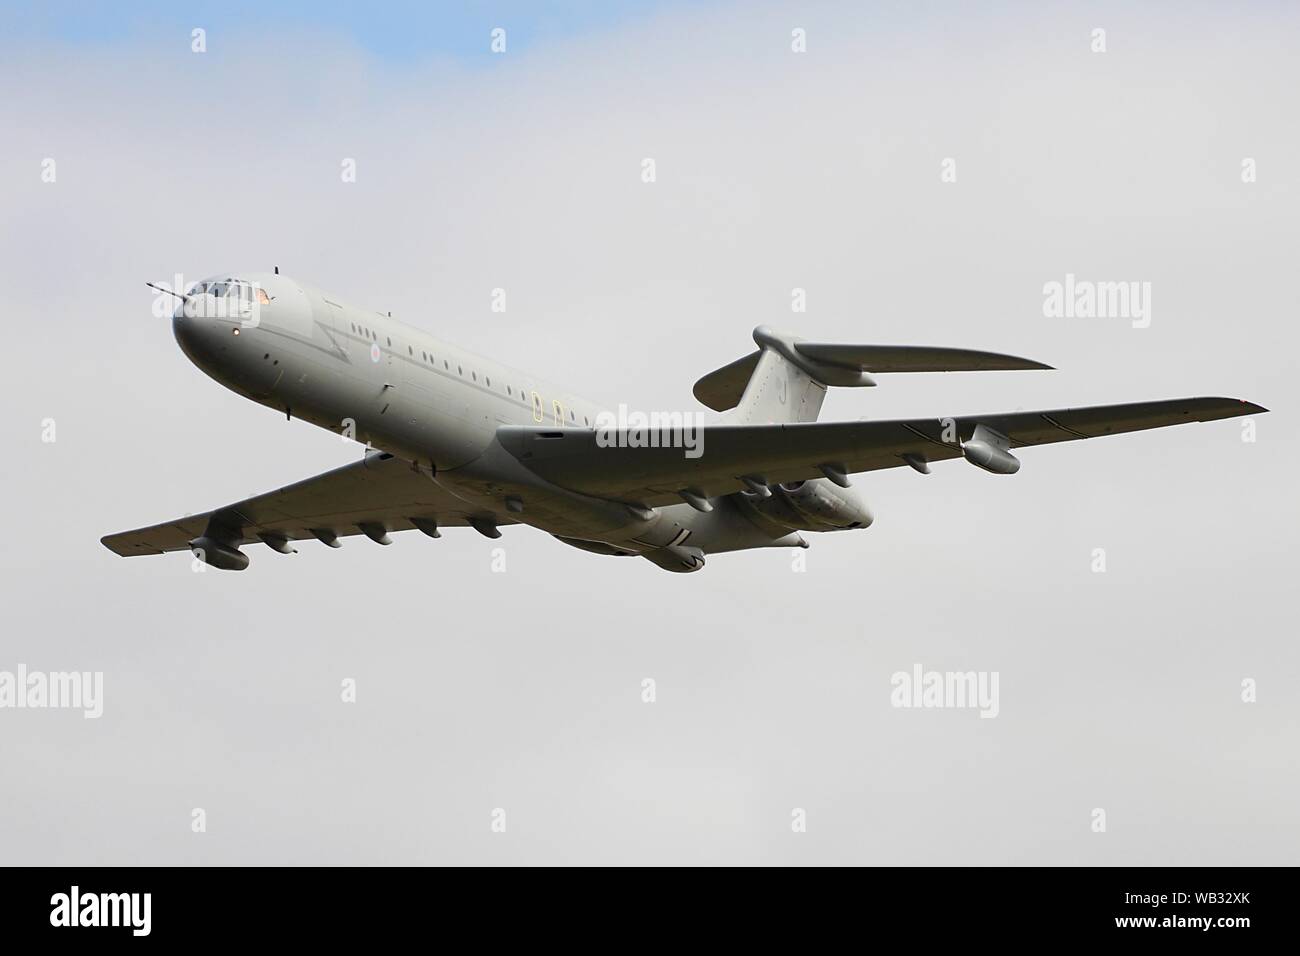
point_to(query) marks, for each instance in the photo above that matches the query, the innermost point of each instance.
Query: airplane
(457, 440)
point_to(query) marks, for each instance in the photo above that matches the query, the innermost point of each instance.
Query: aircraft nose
(183, 326)
(197, 332)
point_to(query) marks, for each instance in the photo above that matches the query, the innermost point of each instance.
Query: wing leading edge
(379, 492)
(611, 467)
(384, 493)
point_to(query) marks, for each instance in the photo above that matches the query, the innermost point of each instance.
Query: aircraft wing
(575, 458)
(379, 490)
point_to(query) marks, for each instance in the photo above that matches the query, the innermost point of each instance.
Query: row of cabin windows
(460, 370)
(366, 333)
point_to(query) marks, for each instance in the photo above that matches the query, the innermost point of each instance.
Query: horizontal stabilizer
(831, 364)
(913, 358)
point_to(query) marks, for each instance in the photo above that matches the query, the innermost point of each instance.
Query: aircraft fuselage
(369, 377)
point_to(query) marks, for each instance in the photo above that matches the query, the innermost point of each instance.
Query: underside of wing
(615, 464)
(375, 495)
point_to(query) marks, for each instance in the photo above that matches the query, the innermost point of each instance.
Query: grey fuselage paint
(405, 392)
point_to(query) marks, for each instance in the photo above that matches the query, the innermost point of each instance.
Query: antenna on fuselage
(277, 270)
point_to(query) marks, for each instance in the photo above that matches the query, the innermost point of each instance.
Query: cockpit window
(234, 287)
(240, 290)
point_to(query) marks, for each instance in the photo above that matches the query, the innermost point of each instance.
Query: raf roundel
(374, 351)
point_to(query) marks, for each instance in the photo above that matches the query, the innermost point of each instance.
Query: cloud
(774, 171)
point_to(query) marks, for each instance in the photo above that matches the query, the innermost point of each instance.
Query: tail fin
(786, 379)
(777, 391)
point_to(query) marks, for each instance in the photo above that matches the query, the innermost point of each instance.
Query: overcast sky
(775, 170)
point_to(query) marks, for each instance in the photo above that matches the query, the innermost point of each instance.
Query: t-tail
(786, 379)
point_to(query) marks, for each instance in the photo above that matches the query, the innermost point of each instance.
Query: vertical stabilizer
(778, 391)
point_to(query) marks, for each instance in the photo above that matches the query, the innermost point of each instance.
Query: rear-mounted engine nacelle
(816, 505)
(675, 557)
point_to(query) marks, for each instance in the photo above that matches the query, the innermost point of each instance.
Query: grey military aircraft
(457, 440)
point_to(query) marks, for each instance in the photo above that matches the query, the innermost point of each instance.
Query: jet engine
(816, 505)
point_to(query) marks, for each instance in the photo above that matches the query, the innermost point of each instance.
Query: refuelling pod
(990, 450)
(223, 556)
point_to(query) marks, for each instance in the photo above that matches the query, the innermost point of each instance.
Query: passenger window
(538, 413)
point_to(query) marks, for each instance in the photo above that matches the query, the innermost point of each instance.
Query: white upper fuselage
(391, 386)
(365, 374)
